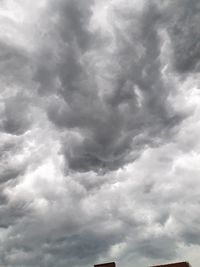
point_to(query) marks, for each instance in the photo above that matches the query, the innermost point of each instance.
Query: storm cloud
(99, 132)
(111, 96)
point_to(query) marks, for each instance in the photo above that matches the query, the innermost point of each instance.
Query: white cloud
(99, 133)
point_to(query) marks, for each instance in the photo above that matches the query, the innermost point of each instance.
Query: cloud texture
(99, 149)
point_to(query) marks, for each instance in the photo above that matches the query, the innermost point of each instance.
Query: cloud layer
(99, 150)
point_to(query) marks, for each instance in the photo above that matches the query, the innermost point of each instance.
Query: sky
(99, 132)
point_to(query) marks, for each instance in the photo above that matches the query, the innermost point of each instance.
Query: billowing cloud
(99, 132)
(184, 31)
(112, 97)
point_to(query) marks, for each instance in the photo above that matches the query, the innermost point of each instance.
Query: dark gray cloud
(15, 77)
(184, 30)
(110, 108)
(12, 213)
(17, 119)
(158, 247)
(99, 150)
(13, 60)
(11, 166)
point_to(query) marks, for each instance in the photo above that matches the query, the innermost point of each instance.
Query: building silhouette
(108, 264)
(176, 264)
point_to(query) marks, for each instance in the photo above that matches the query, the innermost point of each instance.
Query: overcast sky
(99, 132)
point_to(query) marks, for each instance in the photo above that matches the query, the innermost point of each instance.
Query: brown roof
(109, 264)
(176, 264)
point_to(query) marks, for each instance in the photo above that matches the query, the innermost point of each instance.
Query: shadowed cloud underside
(99, 132)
